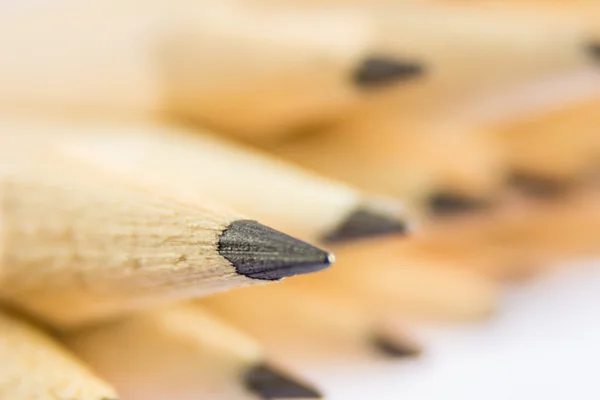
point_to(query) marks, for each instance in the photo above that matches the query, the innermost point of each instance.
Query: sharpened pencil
(389, 280)
(81, 245)
(521, 239)
(554, 147)
(206, 62)
(200, 165)
(473, 50)
(307, 326)
(434, 169)
(34, 366)
(184, 353)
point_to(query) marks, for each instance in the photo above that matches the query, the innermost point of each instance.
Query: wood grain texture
(79, 245)
(34, 367)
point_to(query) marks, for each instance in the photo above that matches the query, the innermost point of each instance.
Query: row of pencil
(127, 200)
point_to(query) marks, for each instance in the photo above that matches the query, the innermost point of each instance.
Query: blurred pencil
(34, 366)
(205, 61)
(81, 245)
(522, 238)
(279, 194)
(184, 353)
(439, 171)
(472, 52)
(306, 325)
(386, 279)
(553, 147)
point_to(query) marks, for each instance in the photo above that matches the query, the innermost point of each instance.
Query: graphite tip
(445, 204)
(259, 252)
(269, 384)
(537, 186)
(593, 50)
(364, 223)
(395, 348)
(379, 71)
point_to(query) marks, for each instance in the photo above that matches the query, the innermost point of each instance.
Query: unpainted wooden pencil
(389, 281)
(304, 325)
(35, 366)
(183, 352)
(206, 61)
(553, 147)
(80, 245)
(280, 194)
(431, 167)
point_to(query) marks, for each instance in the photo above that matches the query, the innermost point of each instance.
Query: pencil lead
(269, 384)
(363, 223)
(445, 203)
(378, 71)
(269, 254)
(537, 186)
(395, 348)
(594, 50)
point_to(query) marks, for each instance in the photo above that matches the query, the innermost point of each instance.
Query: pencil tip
(445, 203)
(364, 223)
(395, 348)
(259, 252)
(378, 71)
(269, 384)
(537, 186)
(594, 50)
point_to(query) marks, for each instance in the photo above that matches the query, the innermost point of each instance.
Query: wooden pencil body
(559, 144)
(33, 366)
(199, 165)
(79, 245)
(381, 153)
(389, 280)
(205, 61)
(297, 324)
(179, 352)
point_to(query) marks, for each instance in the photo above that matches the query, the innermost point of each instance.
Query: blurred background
(476, 121)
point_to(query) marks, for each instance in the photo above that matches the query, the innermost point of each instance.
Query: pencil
(433, 168)
(281, 195)
(182, 352)
(206, 62)
(81, 245)
(303, 325)
(34, 366)
(389, 280)
(472, 52)
(554, 147)
(521, 239)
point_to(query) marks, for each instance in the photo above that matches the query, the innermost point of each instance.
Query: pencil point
(269, 384)
(269, 254)
(363, 223)
(537, 186)
(445, 203)
(594, 50)
(378, 71)
(395, 348)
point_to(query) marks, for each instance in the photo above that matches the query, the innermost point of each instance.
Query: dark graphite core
(393, 348)
(259, 252)
(364, 223)
(380, 71)
(267, 383)
(594, 50)
(538, 186)
(443, 203)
